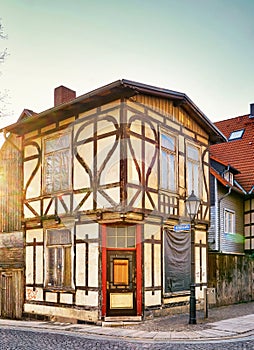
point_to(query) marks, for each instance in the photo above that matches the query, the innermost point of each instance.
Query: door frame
(139, 276)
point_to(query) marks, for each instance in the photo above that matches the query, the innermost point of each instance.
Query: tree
(3, 53)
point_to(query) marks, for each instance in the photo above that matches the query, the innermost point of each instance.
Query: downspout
(216, 214)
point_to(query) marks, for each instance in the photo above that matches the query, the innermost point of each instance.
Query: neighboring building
(226, 233)
(231, 234)
(238, 152)
(105, 178)
(11, 235)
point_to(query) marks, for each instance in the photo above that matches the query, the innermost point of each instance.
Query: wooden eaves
(108, 93)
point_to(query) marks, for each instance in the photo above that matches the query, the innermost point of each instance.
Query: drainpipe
(216, 214)
(250, 192)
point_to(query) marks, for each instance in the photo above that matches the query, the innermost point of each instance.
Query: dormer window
(236, 135)
(229, 177)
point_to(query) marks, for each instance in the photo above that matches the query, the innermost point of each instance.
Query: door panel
(121, 283)
(7, 302)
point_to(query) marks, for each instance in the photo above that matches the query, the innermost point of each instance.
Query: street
(17, 339)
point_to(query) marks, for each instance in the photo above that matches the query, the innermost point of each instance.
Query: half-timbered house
(105, 178)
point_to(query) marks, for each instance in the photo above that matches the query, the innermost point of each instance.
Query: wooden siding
(10, 185)
(174, 113)
(12, 293)
(231, 243)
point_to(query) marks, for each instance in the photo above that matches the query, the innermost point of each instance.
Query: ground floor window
(58, 258)
(177, 263)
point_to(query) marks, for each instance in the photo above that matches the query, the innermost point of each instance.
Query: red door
(121, 271)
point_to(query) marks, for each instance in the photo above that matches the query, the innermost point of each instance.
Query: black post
(192, 319)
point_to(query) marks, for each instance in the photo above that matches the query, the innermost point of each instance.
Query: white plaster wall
(29, 265)
(151, 299)
(51, 297)
(66, 298)
(80, 267)
(39, 264)
(82, 299)
(36, 233)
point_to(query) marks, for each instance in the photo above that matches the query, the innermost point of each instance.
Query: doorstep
(116, 321)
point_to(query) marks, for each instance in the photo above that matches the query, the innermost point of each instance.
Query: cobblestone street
(15, 339)
(228, 328)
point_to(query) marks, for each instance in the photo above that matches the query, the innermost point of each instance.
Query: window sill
(176, 294)
(59, 289)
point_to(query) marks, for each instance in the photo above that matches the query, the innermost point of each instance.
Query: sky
(203, 48)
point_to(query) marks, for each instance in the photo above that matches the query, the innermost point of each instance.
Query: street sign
(183, 227)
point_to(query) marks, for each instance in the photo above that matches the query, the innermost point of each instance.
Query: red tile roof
(238, 153)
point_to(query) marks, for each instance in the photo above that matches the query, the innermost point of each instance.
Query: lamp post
(192, 205)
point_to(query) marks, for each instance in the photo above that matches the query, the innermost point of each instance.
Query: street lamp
(192, 205)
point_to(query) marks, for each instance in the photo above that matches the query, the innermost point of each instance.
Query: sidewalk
(171, 328)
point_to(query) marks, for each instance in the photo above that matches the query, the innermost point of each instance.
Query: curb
(211, 334)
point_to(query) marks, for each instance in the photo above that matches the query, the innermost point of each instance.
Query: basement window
(236, 135)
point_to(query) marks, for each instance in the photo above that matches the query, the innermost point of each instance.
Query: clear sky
(204, 48)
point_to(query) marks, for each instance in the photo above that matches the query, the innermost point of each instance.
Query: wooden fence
(232, 276)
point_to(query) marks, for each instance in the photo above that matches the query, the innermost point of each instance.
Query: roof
(239, 153)
(220, 178)
(226, 164)
(120, 88)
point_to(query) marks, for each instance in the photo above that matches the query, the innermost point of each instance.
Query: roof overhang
(108, 93)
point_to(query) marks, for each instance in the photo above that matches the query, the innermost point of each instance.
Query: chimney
(251, 110)
(62, 95)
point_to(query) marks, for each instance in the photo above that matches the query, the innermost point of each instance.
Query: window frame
(196, 186)
(236, 135)
(63, 273)
(48, 154)
(227, 223)
(169, 153)
(229, 176)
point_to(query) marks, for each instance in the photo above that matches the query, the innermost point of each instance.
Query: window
(229, 177)
(58, 258)
(121, 272)
(193, 166)
(236, 135)
(57, 161)
(121, 237)
(229, 221)
(168, 160)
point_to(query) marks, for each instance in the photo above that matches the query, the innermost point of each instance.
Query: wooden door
(121, 283)
(7, 297)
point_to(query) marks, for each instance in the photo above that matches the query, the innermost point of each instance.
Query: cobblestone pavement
(16, 339)
(180, 322)
(227, 328)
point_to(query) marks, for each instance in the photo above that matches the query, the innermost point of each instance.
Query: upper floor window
(121, 237)
(229, 221)
(168, 162)
(229, 177)
(236, 135)
(57, 163)
(193, 169)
